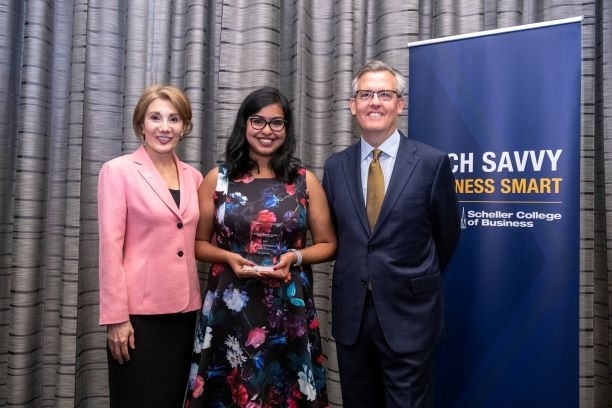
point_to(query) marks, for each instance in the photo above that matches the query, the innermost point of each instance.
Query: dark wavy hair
(283, 162)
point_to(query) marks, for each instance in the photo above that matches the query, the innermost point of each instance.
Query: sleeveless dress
(258, 343)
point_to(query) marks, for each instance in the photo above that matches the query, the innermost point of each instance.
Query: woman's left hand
(282, 269)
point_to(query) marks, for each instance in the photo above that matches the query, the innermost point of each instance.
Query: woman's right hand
(119, 336)
(241, 266)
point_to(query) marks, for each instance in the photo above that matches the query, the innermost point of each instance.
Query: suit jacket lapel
(352, 175)
(186, 194)
(150, 174)
(405, 163)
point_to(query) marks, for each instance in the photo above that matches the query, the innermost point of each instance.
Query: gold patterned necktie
(376, 188)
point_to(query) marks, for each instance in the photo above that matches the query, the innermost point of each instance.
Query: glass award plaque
(264, 246)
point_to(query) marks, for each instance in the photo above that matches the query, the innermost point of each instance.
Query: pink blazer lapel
(186, 190)
(149, 173)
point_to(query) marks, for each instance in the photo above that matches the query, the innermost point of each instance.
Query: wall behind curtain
(72, 70)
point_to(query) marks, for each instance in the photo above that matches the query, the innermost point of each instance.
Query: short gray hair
(379, 66)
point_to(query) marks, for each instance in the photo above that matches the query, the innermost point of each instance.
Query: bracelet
(298, 256)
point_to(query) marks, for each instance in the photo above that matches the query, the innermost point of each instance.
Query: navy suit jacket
(404, 256)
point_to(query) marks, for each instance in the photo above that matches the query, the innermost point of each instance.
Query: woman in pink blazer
(149, 287)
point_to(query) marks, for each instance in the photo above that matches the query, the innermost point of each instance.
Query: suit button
(180, 253)
(370, 249)
(179, 225)
(364, 282)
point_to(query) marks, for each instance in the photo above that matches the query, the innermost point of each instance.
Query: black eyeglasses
(276, 124)
(385, 95)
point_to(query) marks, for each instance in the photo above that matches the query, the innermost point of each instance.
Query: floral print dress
(258, 344)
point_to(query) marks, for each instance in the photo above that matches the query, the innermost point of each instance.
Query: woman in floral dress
(258, 342)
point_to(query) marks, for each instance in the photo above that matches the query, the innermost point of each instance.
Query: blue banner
(505, 105)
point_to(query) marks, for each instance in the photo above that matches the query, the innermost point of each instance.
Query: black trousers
(157, 373)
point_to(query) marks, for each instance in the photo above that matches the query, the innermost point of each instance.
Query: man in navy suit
(387, 301)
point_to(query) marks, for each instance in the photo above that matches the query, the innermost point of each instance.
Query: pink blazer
(147, 262)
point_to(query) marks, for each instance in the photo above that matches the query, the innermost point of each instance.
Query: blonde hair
(169, 93)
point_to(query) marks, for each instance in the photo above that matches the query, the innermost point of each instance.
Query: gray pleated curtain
(71, 72)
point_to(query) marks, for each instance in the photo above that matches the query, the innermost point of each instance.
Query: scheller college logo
(506, 218)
